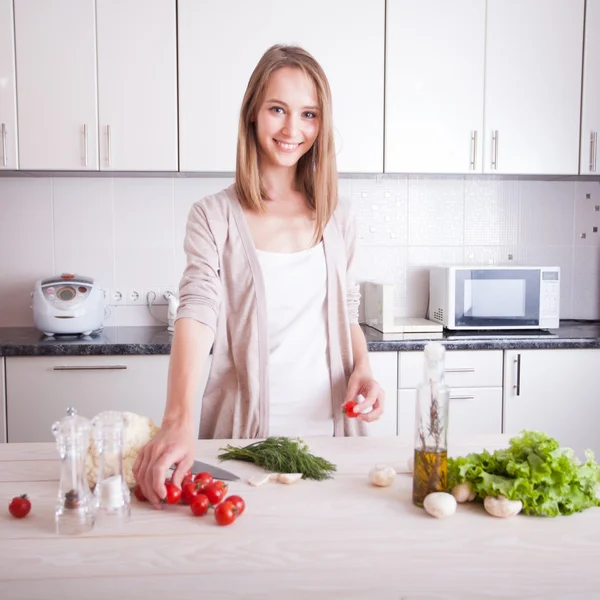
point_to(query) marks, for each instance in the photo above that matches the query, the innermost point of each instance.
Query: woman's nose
(291, 126)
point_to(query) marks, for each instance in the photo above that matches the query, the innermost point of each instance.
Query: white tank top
(300, 383)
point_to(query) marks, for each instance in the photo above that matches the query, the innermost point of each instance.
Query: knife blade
(216, 472)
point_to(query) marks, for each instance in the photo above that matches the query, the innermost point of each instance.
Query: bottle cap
(434, 351)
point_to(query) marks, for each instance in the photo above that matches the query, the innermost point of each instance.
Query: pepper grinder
(74, 511)
(112, 499)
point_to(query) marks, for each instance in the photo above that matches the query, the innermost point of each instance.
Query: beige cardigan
(222, 287)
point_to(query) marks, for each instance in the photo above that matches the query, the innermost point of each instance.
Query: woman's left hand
(361, 382)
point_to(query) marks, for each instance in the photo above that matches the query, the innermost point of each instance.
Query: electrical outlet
(151, 295)
(115, 297)
(163, 290)
(135, 296)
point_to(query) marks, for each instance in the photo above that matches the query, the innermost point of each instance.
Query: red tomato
(20, 506)
(348, 409)
(204, 479)
(173, 494)
(185, 480)
(199, 505)
(238, 502)
(139, 494)
(215, 492)
(225, 513)
(189, 491)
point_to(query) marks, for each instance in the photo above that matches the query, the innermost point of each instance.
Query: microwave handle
(517, 386)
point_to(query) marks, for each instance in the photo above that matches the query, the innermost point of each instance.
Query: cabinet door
(435, 53)
(384, 366)
(8, 100)
(590, 116)
(137, 85)
(533, 86)
(39, 390)
(471, 411)
(56, 84)
(220, 43)
(2, 402)
(554, 391)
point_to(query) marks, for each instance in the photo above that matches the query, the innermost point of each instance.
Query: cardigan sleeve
(200, 288)
(352, 287)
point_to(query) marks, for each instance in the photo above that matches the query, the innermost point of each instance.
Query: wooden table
(340, 538)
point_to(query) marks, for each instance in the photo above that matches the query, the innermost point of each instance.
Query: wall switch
(135, 296)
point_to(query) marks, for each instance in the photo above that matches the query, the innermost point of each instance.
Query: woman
(268, 285)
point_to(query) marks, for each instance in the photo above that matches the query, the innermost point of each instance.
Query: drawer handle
(89, 367)
(460, 370)
(517, 386)
(462, 397)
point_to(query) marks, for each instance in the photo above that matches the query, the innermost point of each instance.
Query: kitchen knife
(216, 472)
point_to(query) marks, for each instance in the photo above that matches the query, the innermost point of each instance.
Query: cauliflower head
(138, 432)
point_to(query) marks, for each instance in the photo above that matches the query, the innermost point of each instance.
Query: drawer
(463, 368)
(472, 411)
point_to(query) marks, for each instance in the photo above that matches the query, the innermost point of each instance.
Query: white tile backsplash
(128, 231)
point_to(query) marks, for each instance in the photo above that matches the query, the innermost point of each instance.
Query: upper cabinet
(56, 84)
(590, 116)
(435, 53)
(137, 85)
(533, 86)
(8, 101)
(220, 43)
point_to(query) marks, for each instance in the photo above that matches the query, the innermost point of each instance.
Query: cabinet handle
(460, 370)
(90, 367)
(85, 146)
(109, 145)
(517, 386)
(473, 150)
(495, 149)
(4, 158)
(462, 397)
(593, 150)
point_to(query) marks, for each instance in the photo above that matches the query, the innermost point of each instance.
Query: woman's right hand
(173, 444)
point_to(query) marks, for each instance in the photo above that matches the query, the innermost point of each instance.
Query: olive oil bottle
(431, 427)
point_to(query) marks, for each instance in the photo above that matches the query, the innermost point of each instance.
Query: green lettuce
(548, 479)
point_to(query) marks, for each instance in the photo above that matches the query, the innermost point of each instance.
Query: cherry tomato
(215, 492)
(20, 506)
(238, 502)
(189, 491)
(173, 494)
(225, 513)
(204, 479)
(185, 480)
(348, 409)
(139, 494)
(199, 505)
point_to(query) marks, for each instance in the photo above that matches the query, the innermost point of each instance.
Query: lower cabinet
(2, 403)
(475, 380)
(384, 366)
(40, 389)
(554, 391)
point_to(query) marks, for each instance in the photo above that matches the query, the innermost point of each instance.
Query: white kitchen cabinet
(137, 85)
(56, 84)
(384, 366)
(590, 105)
(220, 43)
(554, 391)
(533, 86)
(2, 402)
(8, 98)
(435, 53)
(40, 389)
(475, 380)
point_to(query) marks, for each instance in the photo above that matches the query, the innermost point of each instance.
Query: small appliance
(494, 297)
(68, 304)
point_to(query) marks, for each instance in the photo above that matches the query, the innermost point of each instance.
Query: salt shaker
(74, 512)
(112, 500)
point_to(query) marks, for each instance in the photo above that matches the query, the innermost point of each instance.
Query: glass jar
(431, 427)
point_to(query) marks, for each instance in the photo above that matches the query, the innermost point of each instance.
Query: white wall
(128, 231)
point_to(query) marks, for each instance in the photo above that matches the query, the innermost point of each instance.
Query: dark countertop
(27, 341)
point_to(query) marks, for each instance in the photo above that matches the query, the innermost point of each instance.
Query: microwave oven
(519, 297)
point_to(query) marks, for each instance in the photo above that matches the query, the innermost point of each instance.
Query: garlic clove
(289, 478)
(259, 480)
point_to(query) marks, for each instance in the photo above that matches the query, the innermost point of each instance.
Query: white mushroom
(502, 506)
(463, 492)
(382, 475)
(440, 504)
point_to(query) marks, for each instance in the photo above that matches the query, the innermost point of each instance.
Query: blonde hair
(316, 171)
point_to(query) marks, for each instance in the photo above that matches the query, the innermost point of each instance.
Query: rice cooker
(68, 304)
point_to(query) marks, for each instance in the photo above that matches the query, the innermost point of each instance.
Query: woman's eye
(310, 115)
(277, 109)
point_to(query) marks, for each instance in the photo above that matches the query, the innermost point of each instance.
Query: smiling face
(287, 120)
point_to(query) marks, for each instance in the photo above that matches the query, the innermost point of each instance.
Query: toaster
(68, 304)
